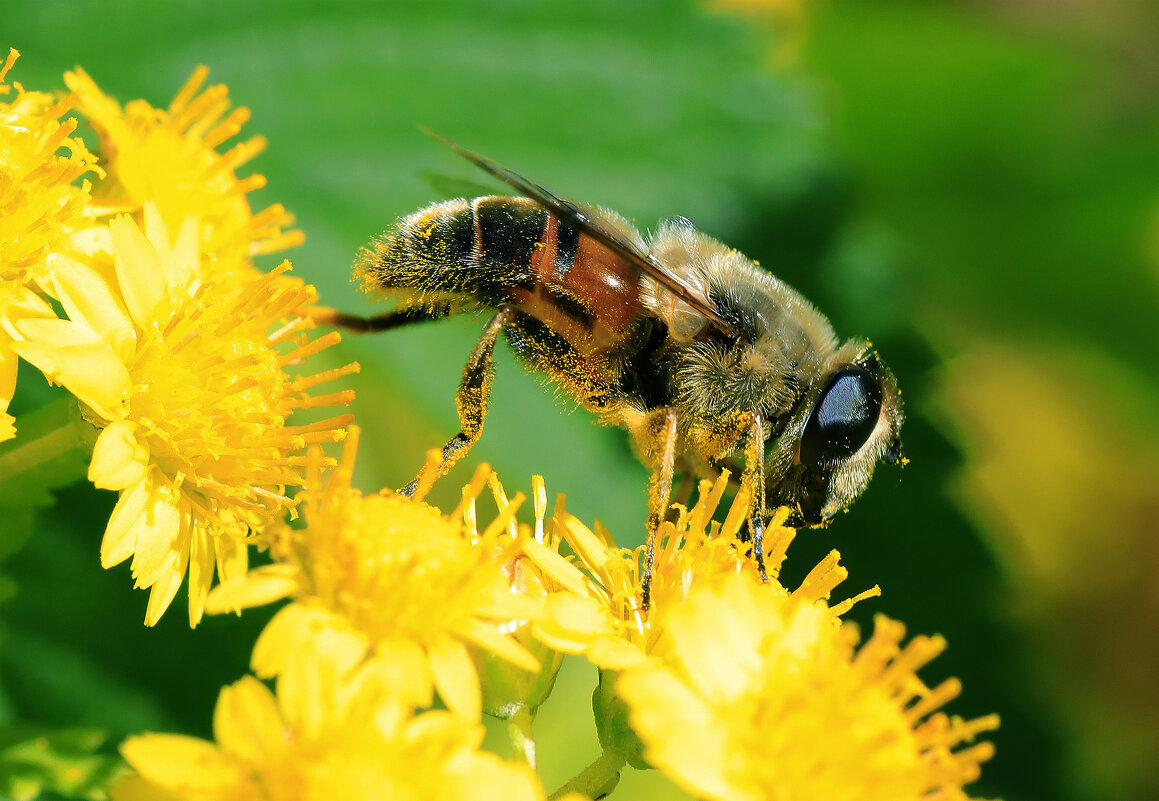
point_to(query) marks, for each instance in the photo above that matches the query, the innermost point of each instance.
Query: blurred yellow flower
(183, 376)
(329, 733)
(169, 157)
(40, 204)
(390, 578)
(756, 696)
(594, 607)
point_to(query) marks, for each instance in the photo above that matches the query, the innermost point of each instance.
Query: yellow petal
(201, 562)
(556, 566)
(165, 584)
(590, 549)
(247, 724)
(615, 654)
(158, 533)
(260, 586)
(8, 364)
(181, 763)
(401, 666)
(87, 298)
(577, 614)
(121, 534)
(309, 692)
(120, 457)
(488, 636)
(455, 678)
(184, 267)
(55, 333)
(232, 557)
(94, 373)
(678, 729)
(729, 621)
(291, 625)
(18, 303)
(299, 627)
(139, 271)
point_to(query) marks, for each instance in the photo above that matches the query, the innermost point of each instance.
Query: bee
(706, 360)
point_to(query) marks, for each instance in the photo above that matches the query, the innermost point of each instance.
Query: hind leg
(380, 322)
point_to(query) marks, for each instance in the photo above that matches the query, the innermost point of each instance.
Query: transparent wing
(576, 216)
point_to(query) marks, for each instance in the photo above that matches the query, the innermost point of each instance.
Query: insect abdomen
(494, 250)
(471, 250)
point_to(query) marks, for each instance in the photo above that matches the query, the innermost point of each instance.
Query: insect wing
(575, 216)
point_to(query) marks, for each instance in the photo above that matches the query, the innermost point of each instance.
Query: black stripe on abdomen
(508, 231)
(566, 246)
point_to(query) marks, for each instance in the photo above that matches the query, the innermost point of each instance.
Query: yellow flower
(40, 204)
(169, 157)
(39, 201)
(185, 381)
(327, 734)
(391, 578)
(761, 697)
(595, 608)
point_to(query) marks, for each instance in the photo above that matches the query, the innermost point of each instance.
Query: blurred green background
(973, 185)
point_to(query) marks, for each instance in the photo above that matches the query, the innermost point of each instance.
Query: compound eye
(843, 419)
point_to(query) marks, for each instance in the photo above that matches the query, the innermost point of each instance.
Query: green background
(973, 185)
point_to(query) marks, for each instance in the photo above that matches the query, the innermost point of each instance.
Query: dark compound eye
(844, 417)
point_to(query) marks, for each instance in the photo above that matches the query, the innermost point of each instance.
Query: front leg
(754, 478)
(471, 401)
(659, 491)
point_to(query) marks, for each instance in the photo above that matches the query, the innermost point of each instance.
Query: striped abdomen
(494, 250)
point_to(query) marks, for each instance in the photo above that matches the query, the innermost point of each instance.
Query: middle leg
(470, 400)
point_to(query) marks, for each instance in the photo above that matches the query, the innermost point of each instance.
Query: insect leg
(659, 491)
(472, 397)
(754, 478)
(381, 322)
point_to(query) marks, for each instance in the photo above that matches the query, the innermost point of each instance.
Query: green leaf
(51, 450)
(35, 760)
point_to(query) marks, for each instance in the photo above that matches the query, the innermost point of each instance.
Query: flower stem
(597, 779)
(522, 740)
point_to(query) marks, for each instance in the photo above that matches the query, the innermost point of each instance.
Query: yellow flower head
(391, 578)
(169, 157)
(186, 380)
(40, 202)
(760, 697)
(329, 733)
(595, 609)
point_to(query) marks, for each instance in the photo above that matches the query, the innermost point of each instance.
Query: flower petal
(247, 722)
(94, 373)
(87, 298)
(121, 534)
(181, 763)
(201, 562)
(455, 677)
(260, 586)
(139, 271)
(120, 457)
(166, 582)
(488, 636)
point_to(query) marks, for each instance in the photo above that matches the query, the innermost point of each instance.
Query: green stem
(522, 740)
(597, 779)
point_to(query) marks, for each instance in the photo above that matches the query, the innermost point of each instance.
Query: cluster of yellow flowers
(126, 277)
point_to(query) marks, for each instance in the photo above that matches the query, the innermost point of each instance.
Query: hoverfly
(705, 359)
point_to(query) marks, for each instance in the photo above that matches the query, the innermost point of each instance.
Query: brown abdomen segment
(494, 250)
